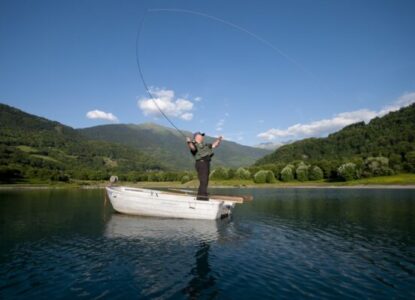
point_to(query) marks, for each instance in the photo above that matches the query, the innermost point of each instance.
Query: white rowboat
(147, 202)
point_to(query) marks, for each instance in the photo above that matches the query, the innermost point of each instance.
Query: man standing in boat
(202, 153)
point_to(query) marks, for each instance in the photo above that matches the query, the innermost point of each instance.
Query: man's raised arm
(216, 143)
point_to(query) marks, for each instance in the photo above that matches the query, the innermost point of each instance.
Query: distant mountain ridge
(39, 148)
(168, 146)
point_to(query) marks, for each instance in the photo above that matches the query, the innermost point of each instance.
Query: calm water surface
(286, 244)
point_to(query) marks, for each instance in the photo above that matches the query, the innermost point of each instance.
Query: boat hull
(146, 202)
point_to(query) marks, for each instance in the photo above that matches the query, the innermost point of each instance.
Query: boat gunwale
(182, 197)
(213, 198)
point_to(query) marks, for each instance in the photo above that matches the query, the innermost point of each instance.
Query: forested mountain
(34, 147)
(391, 136)
(168, 146)
(37, 148)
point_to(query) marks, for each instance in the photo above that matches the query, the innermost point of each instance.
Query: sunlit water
(286, 244)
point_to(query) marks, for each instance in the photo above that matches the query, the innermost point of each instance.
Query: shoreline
(398, 181)
(178, 185)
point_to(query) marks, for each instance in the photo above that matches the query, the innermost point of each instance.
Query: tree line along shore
(34, 150)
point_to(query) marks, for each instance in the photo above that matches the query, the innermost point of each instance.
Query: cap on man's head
(197, 133)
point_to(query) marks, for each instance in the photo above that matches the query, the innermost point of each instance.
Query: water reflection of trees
(370, 211)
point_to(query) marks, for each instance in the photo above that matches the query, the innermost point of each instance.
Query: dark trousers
(203, 170)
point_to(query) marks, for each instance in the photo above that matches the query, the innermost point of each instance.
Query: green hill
(168, 146)
(392, 136)
(34, 147)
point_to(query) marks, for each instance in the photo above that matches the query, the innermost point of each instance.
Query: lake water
(286, 244)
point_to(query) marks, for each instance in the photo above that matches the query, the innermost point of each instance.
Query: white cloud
(101, 115)
(325, 126)
(319, 127)
(165, 99)
(405, 100)
(219, 124)
(187, 116)
(197, 99)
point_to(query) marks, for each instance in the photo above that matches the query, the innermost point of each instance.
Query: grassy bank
(406, 180)
(399, 179)
(395, 180)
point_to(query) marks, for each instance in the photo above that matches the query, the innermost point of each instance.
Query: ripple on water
(287, 245)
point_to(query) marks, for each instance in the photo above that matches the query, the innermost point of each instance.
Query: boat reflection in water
(126, 226)
(198, 234)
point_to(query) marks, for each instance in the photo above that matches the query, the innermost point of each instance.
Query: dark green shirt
(202, 151)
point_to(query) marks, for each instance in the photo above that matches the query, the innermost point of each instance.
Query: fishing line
(237, 27)
(137, 56)
(228, 23)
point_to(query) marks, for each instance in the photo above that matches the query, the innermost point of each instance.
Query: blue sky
(353, 60)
